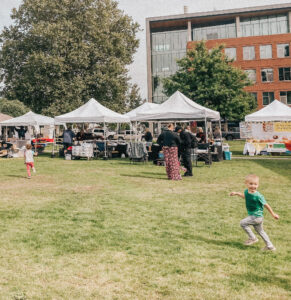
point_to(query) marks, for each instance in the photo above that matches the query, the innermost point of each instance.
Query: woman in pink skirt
(170, 142)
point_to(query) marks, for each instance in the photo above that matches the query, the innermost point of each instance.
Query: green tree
(210, 79)
(13, 108)
(134, 99)
(60, 53)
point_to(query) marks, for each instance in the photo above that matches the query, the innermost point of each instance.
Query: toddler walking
(28, 160)
(255, 203)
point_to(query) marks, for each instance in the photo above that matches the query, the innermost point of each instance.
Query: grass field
(111, 230)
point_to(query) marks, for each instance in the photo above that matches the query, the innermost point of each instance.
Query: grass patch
(112, 230)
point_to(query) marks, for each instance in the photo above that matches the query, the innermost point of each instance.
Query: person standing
(68, 137)
(28, 160)
(170, 142)
(186, 144)
(148, 136)
(21, 132)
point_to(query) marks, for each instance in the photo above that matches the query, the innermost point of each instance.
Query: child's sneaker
(28, 177)
(250, 242)
(272, 248)
(34, 170)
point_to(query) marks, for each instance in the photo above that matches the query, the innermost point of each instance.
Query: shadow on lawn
(233, 244)
(142, 176)
(270, 279)
(281, 167)
(17, 176)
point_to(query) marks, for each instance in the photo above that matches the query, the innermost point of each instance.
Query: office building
(257, 38)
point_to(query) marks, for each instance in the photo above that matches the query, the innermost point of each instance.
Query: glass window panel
(289, 97)
(230, 53)
(267, 75)
(268, 97)
(282, 50)
(251, 75)
(249, 53)
(265, 51)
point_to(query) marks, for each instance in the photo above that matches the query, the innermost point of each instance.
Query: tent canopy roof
(92, 112)
(4, 117)
(178, 107)
(275, 111)
(29, 119)
(141, 109)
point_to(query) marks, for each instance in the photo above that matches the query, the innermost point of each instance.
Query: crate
(227, 155)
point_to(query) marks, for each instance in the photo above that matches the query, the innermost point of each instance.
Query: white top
(275, 111)
(29, 156)
(178, 107)
(92, 112)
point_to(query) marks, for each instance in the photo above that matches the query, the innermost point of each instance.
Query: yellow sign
(282, 126)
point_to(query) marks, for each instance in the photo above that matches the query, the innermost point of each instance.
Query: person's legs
(175, 164)
(33, 168)
(187, 161)
(259, 229)
(166, 157)
(28, 170)
(245, 224)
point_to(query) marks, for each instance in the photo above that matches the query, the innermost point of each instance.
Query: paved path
(260, 157)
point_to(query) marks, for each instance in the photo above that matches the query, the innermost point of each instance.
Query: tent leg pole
(206, 133)
(105, 146)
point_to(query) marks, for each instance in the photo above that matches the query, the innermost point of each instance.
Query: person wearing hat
(170, 142)
(186, 141)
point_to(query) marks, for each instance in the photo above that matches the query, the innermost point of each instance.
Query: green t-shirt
(255, 203)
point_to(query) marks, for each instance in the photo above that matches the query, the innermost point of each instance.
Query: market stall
(179, 108)
(267, 130)
(33, 122)
(92, 112)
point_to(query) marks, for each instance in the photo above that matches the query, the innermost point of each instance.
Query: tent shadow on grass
(281, 167)
(142, 176)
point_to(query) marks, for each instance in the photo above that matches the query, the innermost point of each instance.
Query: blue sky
(141, 9)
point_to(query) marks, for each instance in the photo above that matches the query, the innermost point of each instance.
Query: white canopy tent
(141, 109)
(178, 108)
(29, 119)
(93, 112)
(275, 111)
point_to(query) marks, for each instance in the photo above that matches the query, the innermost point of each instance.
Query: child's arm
(269, 208)
(237, 194)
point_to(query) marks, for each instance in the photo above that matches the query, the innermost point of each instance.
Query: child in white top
(28, 160)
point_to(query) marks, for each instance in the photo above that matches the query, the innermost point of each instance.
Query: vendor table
(256, 148)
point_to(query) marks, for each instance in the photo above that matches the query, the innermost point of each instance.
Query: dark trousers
(186, 157)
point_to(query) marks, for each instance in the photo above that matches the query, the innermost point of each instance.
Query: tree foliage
(209, 78)
(60, 53)
(134, 99)
(13, 108)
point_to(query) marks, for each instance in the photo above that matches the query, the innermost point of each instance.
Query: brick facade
(259, 87)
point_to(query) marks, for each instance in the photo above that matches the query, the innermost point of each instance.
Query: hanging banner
(245, 130)
(282, 126)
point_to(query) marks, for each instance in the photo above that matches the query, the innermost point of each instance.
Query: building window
(265, 25)
(255, 95)
(251, 75)
(267, 75)
(268, 97)
(285, 97)
(265, 51)
(249, 53)
(284, 74)
(214, 31)
(282, 50)
(230, 53)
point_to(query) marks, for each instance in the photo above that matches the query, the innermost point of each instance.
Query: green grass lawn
(112, 230)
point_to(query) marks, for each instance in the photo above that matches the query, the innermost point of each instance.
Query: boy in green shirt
(255, 203)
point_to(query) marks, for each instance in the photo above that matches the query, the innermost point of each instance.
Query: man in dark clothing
(21, 132)
(68, 138)
(186, 141)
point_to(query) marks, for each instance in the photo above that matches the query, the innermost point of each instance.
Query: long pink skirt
(172, 163)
